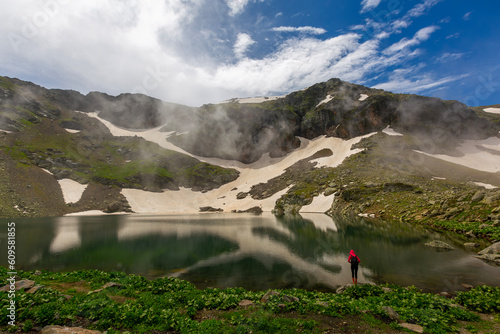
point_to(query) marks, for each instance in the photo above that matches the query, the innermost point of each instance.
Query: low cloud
(305, 30)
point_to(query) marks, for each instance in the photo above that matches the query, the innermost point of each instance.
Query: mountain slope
(71, 145)
(290, 154)
(245, 131)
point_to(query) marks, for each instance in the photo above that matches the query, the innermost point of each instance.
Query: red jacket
(351, 254)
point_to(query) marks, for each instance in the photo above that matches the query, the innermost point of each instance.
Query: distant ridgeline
(244, 131)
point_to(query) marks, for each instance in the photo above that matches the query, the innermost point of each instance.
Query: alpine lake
(256, 252)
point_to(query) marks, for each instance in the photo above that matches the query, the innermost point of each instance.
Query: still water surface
(254, 252)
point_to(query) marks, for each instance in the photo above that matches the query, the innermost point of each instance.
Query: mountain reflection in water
(254, 252)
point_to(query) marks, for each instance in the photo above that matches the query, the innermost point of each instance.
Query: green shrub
(485, 299)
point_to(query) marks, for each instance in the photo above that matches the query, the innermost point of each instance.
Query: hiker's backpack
(354, 260)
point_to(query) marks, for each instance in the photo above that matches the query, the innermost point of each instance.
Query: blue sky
(205, 51)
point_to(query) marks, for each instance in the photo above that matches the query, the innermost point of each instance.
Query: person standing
(354, 261)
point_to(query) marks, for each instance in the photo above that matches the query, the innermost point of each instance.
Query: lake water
(251, 251)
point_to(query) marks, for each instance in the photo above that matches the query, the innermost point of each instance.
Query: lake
(252, 251)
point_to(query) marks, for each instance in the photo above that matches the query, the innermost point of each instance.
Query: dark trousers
(354, 271)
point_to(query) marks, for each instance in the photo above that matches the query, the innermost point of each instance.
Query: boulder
(113, 207)
(241, 195)
(245, 302)
(284, 298)
(255, 210)
(290, 299)
(330, 191)
(491, 197)
(393, 315)
(478, 196)
(67, 330)
(491, 254)
(19, 285)
(210, 209)
(343, 288)
(268, 295)
(412, 327)
(490, 258)
(113, 284)
(493, 249)
(439, 245)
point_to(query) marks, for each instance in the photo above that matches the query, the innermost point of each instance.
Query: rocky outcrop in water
(491, 254)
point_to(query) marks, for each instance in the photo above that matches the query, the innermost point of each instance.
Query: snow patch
(258, 99)
(492, 110)
(483, 155)
(91, 213)
(72, 190)
(320, 203)
(261, 171)
(46, 171)
(389, 131)
(327, 99)
(363, 97)
(366, 215)
(72, 130)
(485, 185)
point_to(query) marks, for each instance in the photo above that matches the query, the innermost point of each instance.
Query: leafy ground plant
(137, 305)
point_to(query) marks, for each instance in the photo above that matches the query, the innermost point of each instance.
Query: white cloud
(447, 56)
(243, 42)
(306, 30)
(419, 37)
(421, 8)
(296, 64)
(368, 5)
(173, 50)
(401, 83)
(455, 35)
(467, 16)
(238, 6)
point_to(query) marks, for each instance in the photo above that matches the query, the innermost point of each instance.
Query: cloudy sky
(205, 51)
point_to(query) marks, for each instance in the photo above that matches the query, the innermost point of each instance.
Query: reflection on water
(255, 252)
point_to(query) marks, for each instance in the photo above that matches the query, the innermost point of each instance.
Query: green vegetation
(390, 180)
(130, 162)
(7, 84)
(168, 304)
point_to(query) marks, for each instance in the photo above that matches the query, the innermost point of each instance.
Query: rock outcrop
(491, 254)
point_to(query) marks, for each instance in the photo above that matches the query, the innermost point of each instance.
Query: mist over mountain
(267, 151)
